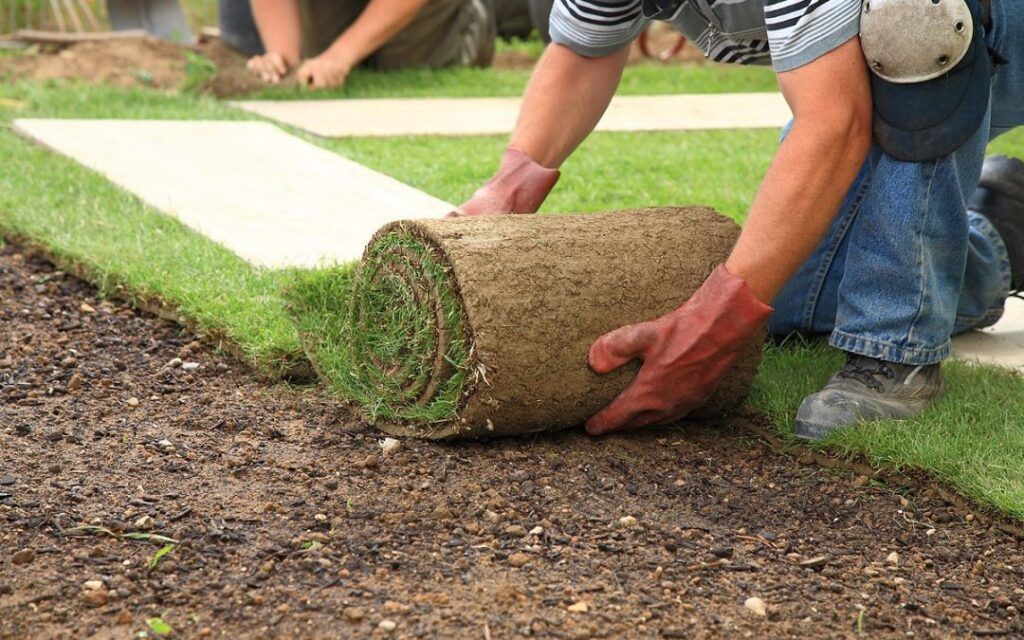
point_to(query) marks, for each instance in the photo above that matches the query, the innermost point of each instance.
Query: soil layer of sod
(291, 524)
(480, 327)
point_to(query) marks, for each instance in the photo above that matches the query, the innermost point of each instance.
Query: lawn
(971, 439)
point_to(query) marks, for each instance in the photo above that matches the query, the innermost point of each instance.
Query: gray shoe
(1000, 198)
(867, 389)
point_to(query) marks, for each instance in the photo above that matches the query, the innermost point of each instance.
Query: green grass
(970, 439)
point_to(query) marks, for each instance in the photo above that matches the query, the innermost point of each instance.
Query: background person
(323, 40)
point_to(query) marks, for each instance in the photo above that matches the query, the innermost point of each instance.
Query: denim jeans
(905, 264)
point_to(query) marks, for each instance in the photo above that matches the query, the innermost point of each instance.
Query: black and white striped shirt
(785, 33)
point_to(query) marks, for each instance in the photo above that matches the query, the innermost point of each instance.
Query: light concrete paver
(485, 116)
(1002, 344)
(270, 197)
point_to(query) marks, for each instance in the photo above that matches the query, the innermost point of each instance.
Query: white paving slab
(1002, 344)
(483, 116)
(273, 199)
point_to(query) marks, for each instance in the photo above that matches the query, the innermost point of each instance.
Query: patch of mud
(291, 523)
(136, 62)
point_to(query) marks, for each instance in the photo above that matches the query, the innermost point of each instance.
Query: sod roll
(480, 327)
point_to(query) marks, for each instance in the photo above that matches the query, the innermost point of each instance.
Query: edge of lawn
(104, 234)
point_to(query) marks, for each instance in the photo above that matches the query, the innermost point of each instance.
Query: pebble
(75, 383)
(25, 556)
(96, 597)
(579, 607)
(371, 462)
(627, 521)
(931, 532)
(353, 614)
(816, 562)
(85, 307)
(6, 481)
(91, 585)
(165, 444)
(518, 559)
(387, 625)
(536, 531)
(893, 558)
(722, 552)
(861, 481)
(123, 618)
(133, 402)
(189, 366)
(390, 446)
(516, 531)
(173, 363)
(756, 606)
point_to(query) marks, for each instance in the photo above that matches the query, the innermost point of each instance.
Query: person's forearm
(797, 202)
(379, 22)
(564, 101)
(280, 27)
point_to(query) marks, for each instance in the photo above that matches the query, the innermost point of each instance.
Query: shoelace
(854, 369)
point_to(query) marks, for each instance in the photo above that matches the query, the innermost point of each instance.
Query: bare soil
(292, 523)
(155, 63)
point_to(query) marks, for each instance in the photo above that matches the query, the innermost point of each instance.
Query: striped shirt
(784, 33)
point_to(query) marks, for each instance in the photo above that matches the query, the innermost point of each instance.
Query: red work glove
(685, 354)
(519, 186)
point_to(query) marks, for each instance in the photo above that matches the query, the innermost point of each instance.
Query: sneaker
(867, 389)
(1000, 198)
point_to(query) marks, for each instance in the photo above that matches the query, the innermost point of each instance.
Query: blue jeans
(905, 264)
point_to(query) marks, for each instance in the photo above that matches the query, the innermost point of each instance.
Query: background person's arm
(379, 22)
(280, 29)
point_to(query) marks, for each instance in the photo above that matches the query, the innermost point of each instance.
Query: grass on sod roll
(972, 439)
(379, 349)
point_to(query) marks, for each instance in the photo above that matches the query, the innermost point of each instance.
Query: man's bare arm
(811, 172)
(567, 95)
(281, 31)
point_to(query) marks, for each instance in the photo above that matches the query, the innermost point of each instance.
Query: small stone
(904, 503)
(353, 614)
(817, 562)
(85, 307)
(133, 402)
(516, 531)
(25, 556)
(756, 606)
(96, 597)
(861, 481)
(75, 383)
(145, 523)
(320, 517)
(189, 366)
(536, 531)
(893, 558)
(627, 521)
(579, 607)
(91, 585)
(518, 559)
(390, 446)
(395, 607)
(491, 516)
(870, 572)
(6, 481)
(969, 517)
(387, 625)
(165, 444)
(371, 462)
(124, 617)
(931, 532)
(722, 552)
(173, 363)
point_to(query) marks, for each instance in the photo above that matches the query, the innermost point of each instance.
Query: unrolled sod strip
(481, 327)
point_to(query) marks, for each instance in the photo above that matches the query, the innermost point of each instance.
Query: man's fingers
(278, 64)
(614, 349)
(620, 414)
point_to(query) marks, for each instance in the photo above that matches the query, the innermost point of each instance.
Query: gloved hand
(685, 353)
(519, 186)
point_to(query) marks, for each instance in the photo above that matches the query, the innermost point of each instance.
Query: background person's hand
(270, 67)
(519, 186)
(324, 72)
(685, 354)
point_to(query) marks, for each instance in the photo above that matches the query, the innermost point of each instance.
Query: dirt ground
(163, 65)
(291, 522)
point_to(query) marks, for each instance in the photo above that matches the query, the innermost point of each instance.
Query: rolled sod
(480, 327)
